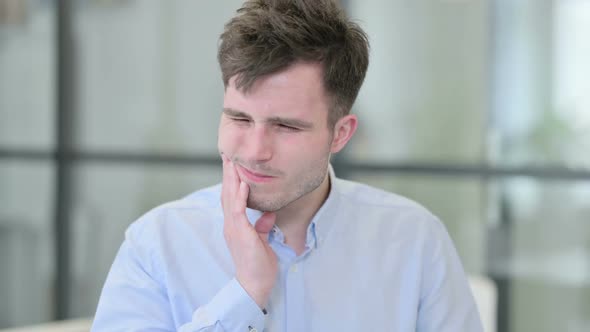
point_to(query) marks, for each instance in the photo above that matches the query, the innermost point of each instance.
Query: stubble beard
(310, 180)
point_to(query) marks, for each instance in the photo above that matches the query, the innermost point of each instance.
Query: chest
(344, 294)
(336, 287)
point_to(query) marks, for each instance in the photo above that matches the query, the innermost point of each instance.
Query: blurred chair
(486, 297)
(74, 325)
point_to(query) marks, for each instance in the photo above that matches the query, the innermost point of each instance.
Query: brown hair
(267, 36)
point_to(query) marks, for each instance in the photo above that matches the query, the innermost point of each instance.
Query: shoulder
(394, 218)
(365, 196)
(201, 208)
(387, 210)
(165, 233)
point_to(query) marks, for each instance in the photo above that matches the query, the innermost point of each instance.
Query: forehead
(297, 91)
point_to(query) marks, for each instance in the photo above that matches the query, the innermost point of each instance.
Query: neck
(294, 219)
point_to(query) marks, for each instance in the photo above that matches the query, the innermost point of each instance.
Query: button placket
(295, 290)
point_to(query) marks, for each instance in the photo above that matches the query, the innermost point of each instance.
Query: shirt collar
(325, 217)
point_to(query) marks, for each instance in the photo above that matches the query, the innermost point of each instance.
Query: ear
(343, 131)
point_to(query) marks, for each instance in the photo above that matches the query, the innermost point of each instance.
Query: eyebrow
(274, 119)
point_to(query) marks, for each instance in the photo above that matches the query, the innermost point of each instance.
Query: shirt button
(294, 268)
(252, 329)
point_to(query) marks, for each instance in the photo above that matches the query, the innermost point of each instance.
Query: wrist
(260, 297)
(259, 294)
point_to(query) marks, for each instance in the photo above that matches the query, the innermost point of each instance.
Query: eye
(288, 128)
(241, 120)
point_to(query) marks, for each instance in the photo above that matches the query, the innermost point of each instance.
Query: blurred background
(478, 109)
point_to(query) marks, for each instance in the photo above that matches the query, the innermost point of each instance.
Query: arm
(446, 302)
(134, 298)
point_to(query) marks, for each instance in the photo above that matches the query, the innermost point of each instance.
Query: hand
(255, 261)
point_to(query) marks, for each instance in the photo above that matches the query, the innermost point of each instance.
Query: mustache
(257, 167)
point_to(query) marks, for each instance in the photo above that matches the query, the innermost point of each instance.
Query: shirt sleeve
(446, 302)
(232, 309)
(134, 298)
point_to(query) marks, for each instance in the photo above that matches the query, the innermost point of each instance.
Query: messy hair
(267, 36)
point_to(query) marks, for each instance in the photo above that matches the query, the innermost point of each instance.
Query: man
(282, 244)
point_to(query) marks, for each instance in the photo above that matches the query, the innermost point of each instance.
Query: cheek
(303, 150)
(227, 139)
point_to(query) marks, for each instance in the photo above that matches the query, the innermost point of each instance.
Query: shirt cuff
(234, 309)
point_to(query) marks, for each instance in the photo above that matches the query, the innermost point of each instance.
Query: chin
(265, 205)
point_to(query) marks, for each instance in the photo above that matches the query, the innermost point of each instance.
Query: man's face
(277, 135)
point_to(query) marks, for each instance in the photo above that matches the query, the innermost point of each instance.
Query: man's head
(291, 70)
(267, 36)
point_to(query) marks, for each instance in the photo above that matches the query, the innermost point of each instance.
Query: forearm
(230, 310)
(136, 297)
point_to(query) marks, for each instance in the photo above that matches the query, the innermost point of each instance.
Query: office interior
(478, 109)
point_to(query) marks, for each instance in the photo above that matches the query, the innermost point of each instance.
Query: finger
(229, 184)
(228, 229)
(233, 179)
(265, 224)
(224, 181)
(228, 197)
(241, 198)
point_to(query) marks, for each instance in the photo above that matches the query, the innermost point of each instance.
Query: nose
(258, 144)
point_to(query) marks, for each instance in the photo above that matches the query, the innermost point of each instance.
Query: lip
(253, 176)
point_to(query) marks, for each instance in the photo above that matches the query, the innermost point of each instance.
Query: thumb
(265, 223)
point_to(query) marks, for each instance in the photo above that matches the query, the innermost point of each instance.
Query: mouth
(254, 176)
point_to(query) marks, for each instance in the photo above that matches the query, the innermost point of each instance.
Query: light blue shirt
(374, 261)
